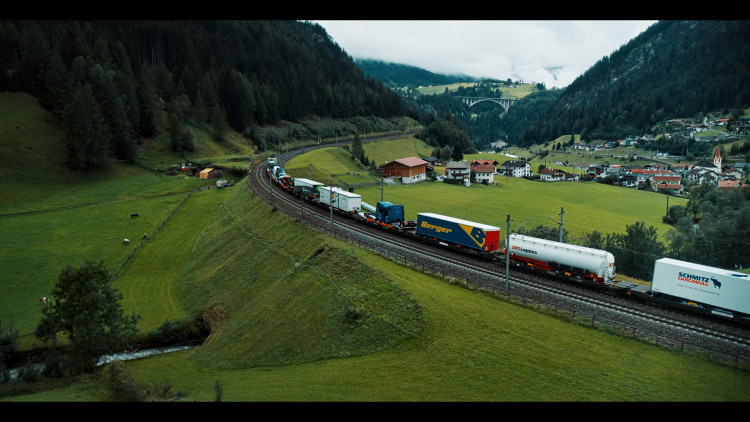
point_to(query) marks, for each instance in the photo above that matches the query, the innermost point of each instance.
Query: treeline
(674, 69)
(399, 76)
(112, 83)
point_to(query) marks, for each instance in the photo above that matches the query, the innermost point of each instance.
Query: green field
(283, 336)
(515, 91)
(587, 207)
(298, 316)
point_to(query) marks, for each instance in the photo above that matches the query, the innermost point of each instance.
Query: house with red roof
(551, 175)
(483, 173)
(674, 188)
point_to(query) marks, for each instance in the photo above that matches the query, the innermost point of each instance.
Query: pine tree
(219, 124)
(86, 133)
(58, 87)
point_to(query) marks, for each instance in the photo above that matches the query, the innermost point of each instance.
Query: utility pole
(330, 206)
(381, 189)
(562, 211)
(507, 252)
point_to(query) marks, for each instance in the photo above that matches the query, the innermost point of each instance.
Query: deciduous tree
(86, 307)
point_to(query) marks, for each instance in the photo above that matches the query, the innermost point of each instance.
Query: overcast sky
(554, 52)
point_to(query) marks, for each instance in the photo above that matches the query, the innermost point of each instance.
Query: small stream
(103, 360)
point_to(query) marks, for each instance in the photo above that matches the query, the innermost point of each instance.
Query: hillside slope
(318, 302)
(674, 69)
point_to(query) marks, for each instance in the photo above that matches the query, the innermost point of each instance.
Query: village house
(432, 162)
(406, 170)
(734, 173)
(483, 173)
(663, 179)
(517, 168)
(458, 170)
(724, 184)
(673, 188)
(630, 180)
(492, 163)
(595, 170)
(551, 175)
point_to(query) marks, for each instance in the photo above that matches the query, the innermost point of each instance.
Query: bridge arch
(503, 102)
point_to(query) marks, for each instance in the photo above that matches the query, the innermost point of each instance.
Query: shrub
(55, 365)
(116, 379)
(173, 332)
(8, 342)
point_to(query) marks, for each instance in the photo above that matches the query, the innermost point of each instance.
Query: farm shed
(409, 170)
(209, 173)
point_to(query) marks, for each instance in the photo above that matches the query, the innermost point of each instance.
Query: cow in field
(134, 215)
(126, 241)
(43, 300)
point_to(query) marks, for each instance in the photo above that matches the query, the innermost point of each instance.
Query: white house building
(517, 168)
(484, 173)
(458, 170)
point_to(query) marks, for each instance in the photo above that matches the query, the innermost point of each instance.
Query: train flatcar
(459, 233)
(388, 215)
(562, 259)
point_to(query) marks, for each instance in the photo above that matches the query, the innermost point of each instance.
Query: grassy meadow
(515, 91)
(299, 316)
(587, 206)
(287, 334)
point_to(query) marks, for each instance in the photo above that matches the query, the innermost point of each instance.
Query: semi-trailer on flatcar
(342, 201)
(718, 291)
(307, 189)
(459, 233)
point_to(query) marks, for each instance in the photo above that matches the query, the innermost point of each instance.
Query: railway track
(695, 330)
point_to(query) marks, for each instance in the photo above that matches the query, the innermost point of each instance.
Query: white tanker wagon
(576, 262)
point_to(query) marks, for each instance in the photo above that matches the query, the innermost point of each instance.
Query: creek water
(124, 356)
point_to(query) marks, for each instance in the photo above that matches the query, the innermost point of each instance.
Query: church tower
(717, 157)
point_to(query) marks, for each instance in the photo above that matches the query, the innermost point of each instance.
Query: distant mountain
(674, 69)
(394, 75)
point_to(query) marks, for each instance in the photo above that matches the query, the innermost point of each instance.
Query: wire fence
(147, 237)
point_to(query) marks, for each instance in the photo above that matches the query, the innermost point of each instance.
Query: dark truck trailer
(457, 232)
(306, 188)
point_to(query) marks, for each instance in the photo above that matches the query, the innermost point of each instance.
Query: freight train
(679, 284)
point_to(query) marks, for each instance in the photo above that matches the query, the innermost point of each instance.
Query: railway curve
(666, 325)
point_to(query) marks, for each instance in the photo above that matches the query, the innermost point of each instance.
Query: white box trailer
(342, 200)
(700, 283)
